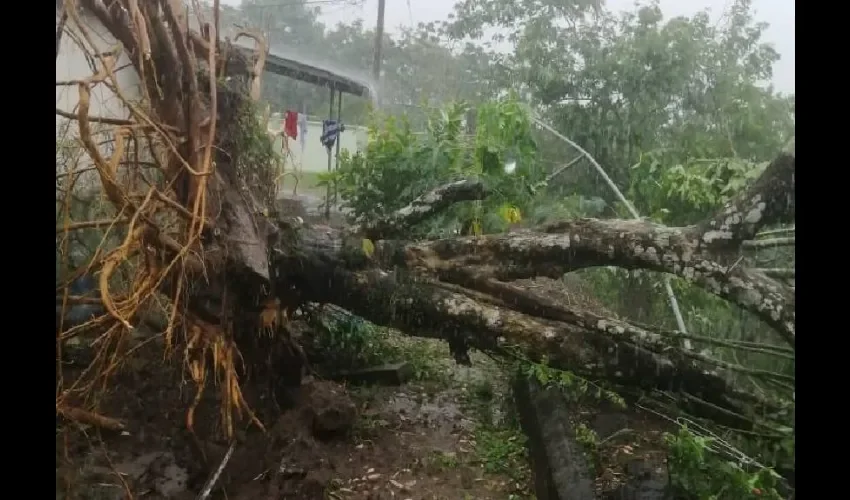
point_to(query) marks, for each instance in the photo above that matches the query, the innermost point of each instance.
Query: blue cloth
(330, 131)
(82, 285)
(78, 314)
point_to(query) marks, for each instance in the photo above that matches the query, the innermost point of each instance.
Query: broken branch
(423, 207)
(770, 200)
(770, 243)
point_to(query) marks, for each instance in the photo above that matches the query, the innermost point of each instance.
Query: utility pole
(379, 41)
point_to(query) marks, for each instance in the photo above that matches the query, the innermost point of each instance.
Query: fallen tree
(228, 271)
(404, 285)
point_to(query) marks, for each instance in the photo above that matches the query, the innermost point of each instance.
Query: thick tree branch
(657, 340)
(770, 243)
(421, 208)
(779, 272)
(569, 246)
(777, 232)
(769, 200)
(601, 349)
(572, 245)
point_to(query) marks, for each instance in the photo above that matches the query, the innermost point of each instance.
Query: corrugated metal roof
(311, 74)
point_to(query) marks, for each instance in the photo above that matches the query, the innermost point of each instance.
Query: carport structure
(321, 77)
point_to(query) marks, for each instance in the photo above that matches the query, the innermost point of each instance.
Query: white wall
(314, 157)
(72, 65)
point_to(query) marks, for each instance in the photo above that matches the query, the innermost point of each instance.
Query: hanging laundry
(290, 124)
(330, 131)
(302, 124)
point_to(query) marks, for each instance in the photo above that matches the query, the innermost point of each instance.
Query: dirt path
(416, 443)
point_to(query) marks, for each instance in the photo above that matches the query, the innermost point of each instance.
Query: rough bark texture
(770, 200)
(582, 243)
(459, 289)
(629, 355)
(561, 470)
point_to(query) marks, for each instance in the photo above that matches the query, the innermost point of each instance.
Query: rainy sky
(778, 13)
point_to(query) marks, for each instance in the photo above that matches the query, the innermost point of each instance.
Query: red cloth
(290, 124)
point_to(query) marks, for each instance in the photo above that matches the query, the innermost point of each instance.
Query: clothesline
(295, 125)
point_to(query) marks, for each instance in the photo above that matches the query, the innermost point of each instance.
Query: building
(314, 156)
(72, 65)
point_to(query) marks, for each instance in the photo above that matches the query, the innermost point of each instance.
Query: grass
(498, 442)
(440, 461)
(500, 445)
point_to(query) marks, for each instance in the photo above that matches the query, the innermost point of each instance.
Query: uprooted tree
(200, 235)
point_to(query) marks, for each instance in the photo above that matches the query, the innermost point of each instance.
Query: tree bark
(508, 320)
(485, 311)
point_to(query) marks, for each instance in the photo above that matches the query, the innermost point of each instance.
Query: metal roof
(311, 74)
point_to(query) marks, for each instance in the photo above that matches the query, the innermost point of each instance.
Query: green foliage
(576, 390)
(697, 472)
(687, 192)
(503, 134)
(589, 440)
(500, 445)
(399, 165)
(586, 436)
(574, 387)
(623, 84)
(348, 342)
(442, 461)
(249, 147)
(501, 450)
(391, 172)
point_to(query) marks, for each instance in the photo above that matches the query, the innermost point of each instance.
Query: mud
(411, 442)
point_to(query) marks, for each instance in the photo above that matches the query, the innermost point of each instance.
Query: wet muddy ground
(450, 434)
(417, 442)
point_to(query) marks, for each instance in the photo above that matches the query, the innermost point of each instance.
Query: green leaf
(368, 247)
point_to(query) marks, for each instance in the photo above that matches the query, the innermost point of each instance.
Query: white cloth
(302, 132)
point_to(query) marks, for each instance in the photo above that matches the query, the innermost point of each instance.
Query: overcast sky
(778, 13)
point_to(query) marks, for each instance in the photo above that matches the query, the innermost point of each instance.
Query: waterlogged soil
(412, 442)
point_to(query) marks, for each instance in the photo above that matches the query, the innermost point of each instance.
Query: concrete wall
(72, 65)
(314, 157)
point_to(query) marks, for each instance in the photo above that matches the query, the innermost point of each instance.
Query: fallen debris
(389, 374)
(89, 418)
(561, 471)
